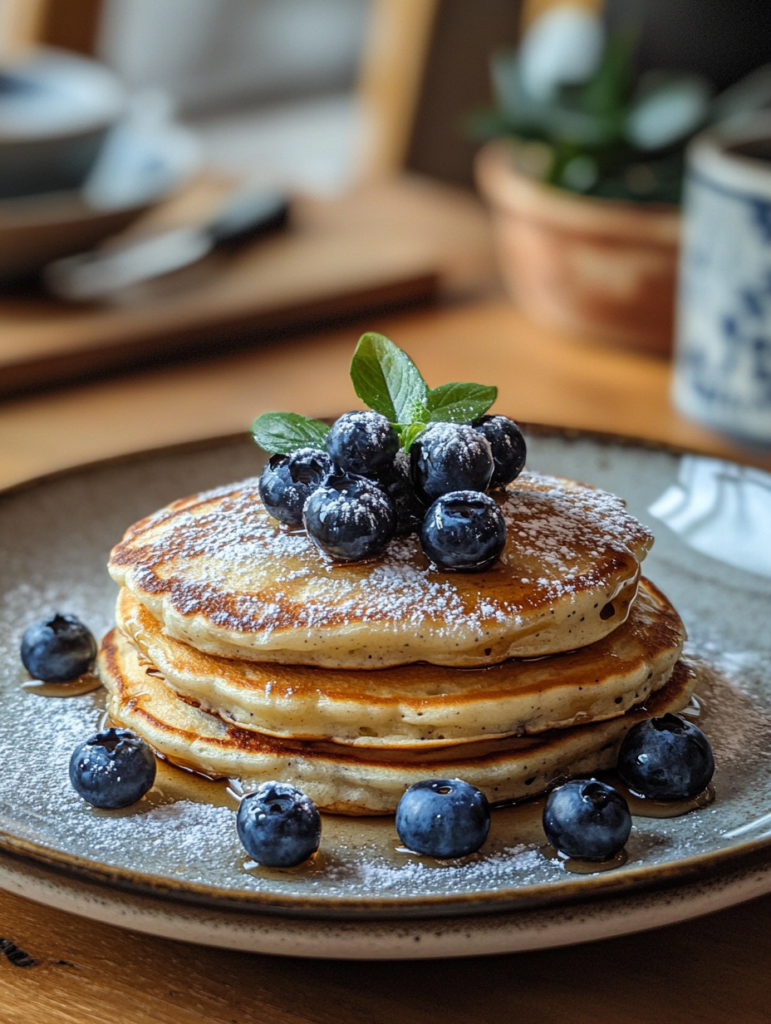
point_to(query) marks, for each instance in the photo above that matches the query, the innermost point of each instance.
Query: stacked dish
(180, 842)
(80, 160)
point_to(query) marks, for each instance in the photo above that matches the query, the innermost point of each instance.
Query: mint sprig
(408, 432)
(283, 432)
(388, 381)
(459, 403)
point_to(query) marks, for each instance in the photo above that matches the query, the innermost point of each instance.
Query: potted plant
(584, 175)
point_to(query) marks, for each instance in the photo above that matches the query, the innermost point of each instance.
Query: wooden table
(541, 376)
(383, 245)
(709, 970)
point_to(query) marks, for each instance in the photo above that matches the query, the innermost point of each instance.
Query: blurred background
(269, 85)
(185, 179)
(204, 204)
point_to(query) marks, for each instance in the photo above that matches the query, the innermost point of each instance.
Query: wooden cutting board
(384, 246)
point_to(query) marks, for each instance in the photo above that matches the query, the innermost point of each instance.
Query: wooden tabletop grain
(710, 970)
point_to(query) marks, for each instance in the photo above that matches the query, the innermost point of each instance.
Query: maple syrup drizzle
(580, 866)
(642, 807)
(86, 683)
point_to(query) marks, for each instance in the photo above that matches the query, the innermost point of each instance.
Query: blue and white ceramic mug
(723, 350)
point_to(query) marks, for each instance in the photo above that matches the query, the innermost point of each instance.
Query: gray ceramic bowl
(55, 110)
(139, 166)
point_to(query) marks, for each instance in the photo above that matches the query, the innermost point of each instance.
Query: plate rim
(518, 930)
(235, 437)
(501, 899)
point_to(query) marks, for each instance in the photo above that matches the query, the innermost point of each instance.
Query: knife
(100, 273)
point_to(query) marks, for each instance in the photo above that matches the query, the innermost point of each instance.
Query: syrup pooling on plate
(175, 783)
(579, 866)
(74, 688)
(645, 808)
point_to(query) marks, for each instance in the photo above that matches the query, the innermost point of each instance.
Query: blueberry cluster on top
(363, 490)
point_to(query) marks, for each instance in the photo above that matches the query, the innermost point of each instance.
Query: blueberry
(278, 825)
(666, 758)
(450, 457)
(463, 530)
(397, 484)
(363, 443)
(289, 480)
(443, 818)
(113, 769)
(58, 649)
(350, 517)
(585, 818)
(508, 447)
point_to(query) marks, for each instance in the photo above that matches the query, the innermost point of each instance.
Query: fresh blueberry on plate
(58, 649)
(443, 818)
(508, 447)
(586, 818)
(463, 530)
(450, 457)
(363, 443)
(666, 758)
(288, 481)
(397, 484)
(350, 517)
(278, 825)
(113, 769)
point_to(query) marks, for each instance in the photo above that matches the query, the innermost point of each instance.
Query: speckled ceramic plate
(712, 557)
(363, 938)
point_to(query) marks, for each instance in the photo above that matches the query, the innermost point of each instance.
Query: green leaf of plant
(388, 381)
(408, 432)
(282, 432)
(564, 117)
(607, 93)
(667, 110)
(459, 403)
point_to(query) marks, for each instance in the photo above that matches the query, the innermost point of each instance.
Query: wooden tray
(383, 247)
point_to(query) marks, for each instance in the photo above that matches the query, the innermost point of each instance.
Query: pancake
(360, 782)
(423, 705)
(223, 576)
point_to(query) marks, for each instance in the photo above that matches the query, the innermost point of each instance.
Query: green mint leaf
(459, 403)
(387, 380)
(408, 432)
(282, 432)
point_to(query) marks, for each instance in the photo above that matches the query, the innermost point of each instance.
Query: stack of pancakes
(242, 651)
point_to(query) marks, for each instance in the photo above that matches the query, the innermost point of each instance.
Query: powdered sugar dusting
(471, 874)
(222, 552)
(367, 424)
(364, 515)
(455, 444)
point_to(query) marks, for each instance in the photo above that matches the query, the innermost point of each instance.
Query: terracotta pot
(600, 268)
